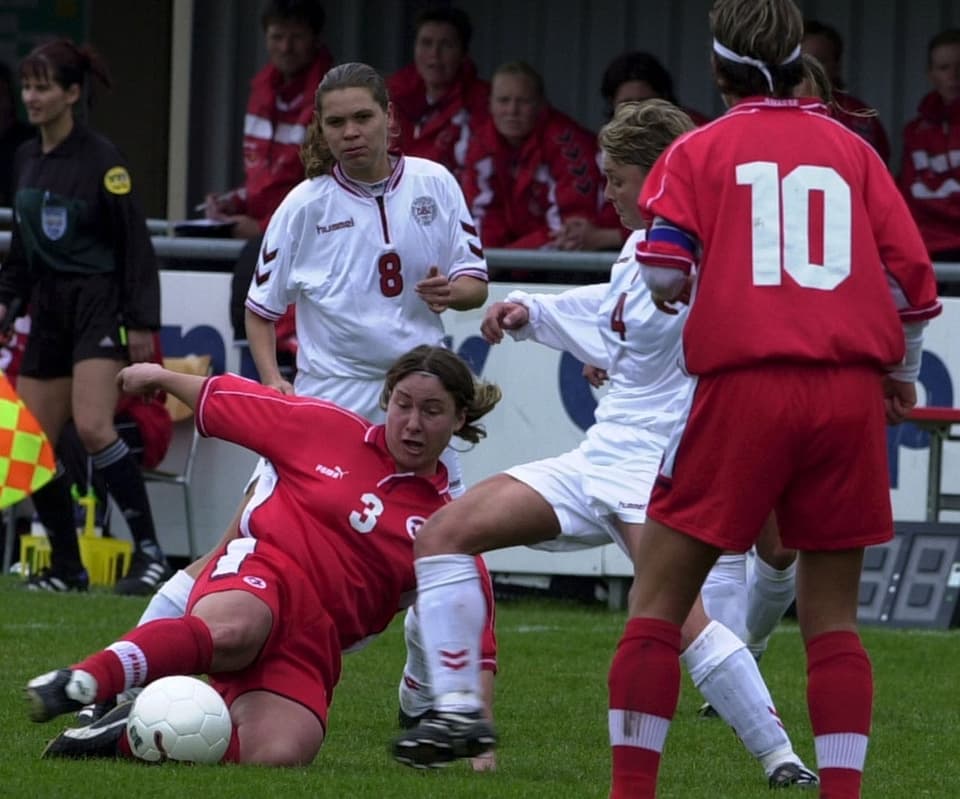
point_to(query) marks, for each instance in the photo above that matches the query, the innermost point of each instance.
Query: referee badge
(424, 210)
(53, 220)
(117, 180)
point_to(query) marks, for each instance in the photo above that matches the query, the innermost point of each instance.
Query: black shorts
(74, 317)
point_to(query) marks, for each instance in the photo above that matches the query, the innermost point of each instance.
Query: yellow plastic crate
(105, 559)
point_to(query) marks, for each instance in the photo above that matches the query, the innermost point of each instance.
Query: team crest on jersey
(117, 180)
(424, 210)
(53, 220)
(414, 523)
(255, 582)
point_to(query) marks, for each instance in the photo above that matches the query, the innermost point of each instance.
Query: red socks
(840, 699)
(156, 649)
(644, 685)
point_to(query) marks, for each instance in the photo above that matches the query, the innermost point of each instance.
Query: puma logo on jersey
(336, 472)
(335, 226)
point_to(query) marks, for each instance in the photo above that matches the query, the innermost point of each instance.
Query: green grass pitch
(550, 709)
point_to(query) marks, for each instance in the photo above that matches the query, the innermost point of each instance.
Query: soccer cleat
(148, 570)
(57, 582)
(58, 692)
(408, 722)
(442, 737)
(707, 711)
(789, 775)
(97, 710)
(99, 739)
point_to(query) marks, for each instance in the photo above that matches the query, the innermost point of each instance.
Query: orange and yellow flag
(26, 457)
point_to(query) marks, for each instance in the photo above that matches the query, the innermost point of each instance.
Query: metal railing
(204, 249)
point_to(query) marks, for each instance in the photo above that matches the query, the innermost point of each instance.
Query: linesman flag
(26, 457)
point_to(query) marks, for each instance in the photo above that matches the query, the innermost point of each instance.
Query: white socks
(727, 675)
(170, 601)
(416, 693)
(769, 594)
(724, 593)
(451, 609)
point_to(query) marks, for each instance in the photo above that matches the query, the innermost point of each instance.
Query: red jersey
(339, 507)
(441, 130)
(930, 172)
(804, 248)
(520, 196)
(274, 128)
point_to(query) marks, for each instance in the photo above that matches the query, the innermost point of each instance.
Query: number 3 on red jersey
(365, 519)
(789, 199)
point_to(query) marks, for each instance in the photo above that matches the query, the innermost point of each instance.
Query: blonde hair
(815, 74)
(315, 152)
(640, 131)
(474, 397)
(767, 30)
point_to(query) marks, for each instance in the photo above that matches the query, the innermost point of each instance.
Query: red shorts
(808, 442)
(301, 657)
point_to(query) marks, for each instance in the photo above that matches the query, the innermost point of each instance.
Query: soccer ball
(179, 718)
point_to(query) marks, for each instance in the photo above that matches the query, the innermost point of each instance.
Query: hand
(573, 234)
(140, 378)
(219, 205)
(596, 376)
(503, 316)
(435, 290)
(665, 304)
(281, 385)
(899, 399)
(140, 345)
(485, 762)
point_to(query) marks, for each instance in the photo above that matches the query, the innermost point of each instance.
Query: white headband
(726, 52)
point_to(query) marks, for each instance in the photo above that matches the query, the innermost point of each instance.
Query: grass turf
(550, 709)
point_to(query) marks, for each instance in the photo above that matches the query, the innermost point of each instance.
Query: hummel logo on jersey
(632, 505)
(335, 226)
(266, 256)
(336, 472)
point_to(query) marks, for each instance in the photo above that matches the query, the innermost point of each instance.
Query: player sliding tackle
(323, 561)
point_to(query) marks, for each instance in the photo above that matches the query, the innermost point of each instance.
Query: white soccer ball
(179, 718)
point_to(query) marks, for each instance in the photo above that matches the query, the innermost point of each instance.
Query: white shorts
(594, 485)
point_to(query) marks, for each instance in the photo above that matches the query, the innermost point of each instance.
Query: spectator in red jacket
(930, 171)
(438, 100)
(826, 45)
(530, 168)
(279, 108)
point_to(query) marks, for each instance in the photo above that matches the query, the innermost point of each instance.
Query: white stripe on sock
(632, 728)
(841, 750)
(133, 660)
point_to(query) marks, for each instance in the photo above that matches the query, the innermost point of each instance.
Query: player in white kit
(589, 495)
(371, 248)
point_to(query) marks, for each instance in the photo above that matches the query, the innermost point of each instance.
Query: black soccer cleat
(707, 711)
(57, 582)
(442, 737)
(148, 571)
(793, 775)
(58, 692)
(101, 738)
(408, 722)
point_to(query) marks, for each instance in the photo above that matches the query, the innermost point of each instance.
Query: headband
(726, 52)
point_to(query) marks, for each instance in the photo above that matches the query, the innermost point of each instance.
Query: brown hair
(66, 64)
(523, 69)
(314, 152)
(475, 397)
(767, 30)
(640, 131)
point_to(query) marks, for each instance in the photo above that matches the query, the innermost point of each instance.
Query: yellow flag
(26, 457)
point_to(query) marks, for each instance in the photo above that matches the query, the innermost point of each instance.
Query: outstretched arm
(149, 378)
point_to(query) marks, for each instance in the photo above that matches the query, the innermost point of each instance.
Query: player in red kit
(809, 288)
(324, 559)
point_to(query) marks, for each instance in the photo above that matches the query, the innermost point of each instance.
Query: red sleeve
(572, 158)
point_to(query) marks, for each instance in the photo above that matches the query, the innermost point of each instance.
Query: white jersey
(610, 475)
(350, 261)
(617, 327)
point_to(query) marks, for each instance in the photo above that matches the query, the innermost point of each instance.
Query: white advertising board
(546, 405)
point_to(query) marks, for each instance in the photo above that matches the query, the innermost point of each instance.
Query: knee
(777, 556)
(284, 751)
(95, 435)
(443, 534)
